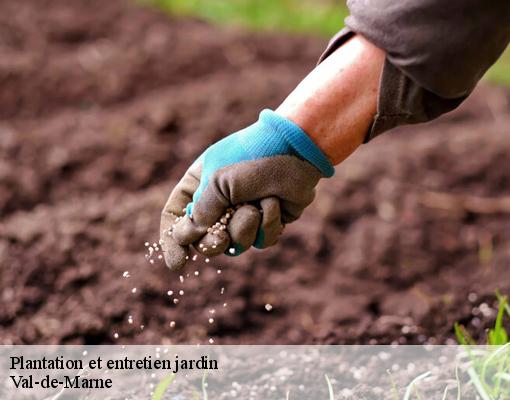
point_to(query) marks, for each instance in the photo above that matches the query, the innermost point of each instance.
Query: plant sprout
(489, 369)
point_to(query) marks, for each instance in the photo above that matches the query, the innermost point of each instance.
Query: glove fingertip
(213, 243)
(175, 255)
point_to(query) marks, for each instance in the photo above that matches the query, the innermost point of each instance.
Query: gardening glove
(271, 166)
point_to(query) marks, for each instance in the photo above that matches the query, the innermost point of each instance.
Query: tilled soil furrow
(103, 112)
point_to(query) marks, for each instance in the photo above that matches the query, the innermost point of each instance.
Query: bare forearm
(336, 103)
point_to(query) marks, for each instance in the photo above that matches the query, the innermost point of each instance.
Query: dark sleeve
(436, 52)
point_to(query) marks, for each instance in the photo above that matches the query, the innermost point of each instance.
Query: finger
(184, 190)
(271, 227)
(174, 254)
(207, 207)
(291, 211)
(214, 243)
(243, 229)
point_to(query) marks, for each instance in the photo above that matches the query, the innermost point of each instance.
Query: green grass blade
(478, 385)
(163, 386)
(504, 376)
(500, 298)
(204, 387)
(394, 389)
(485, 376)
(493, 356)
(445, 393)
(463, 337)
(410, 387)
(330, 388)
(503, 365)
(498, 335)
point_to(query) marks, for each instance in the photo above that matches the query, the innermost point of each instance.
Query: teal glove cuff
(298, 140)
(285, 138)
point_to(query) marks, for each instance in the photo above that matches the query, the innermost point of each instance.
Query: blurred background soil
(103, 106)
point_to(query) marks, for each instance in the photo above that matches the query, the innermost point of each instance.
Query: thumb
(176, 255)
(207, 208)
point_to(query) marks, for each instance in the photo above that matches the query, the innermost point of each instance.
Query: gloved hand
(271, 166)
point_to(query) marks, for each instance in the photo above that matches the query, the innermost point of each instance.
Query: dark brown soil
(103, 105)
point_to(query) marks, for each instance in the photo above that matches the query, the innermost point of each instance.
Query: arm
(269, 170)
(337, 102)
(274, 164)
(436, 52)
